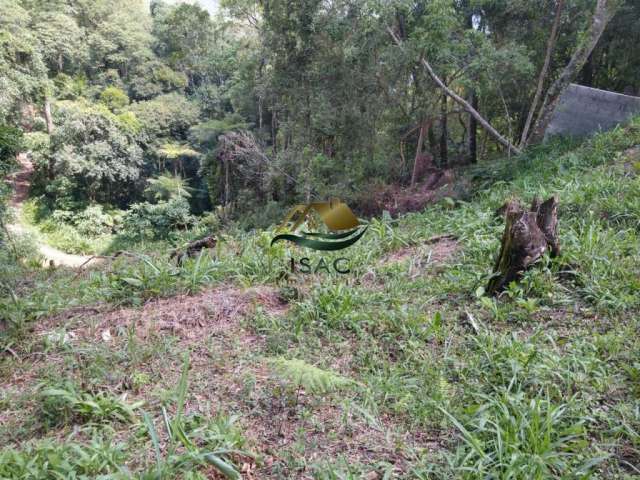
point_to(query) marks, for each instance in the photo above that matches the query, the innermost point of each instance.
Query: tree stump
(528, 234)
(192, 248)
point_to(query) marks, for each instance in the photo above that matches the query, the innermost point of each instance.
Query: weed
(65, 403)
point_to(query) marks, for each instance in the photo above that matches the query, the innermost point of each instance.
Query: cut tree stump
(192, 248)
(528, 234)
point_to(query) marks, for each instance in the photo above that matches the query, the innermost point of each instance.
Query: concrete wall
(584, 110)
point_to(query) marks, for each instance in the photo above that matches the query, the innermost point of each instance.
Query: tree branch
(461, 101)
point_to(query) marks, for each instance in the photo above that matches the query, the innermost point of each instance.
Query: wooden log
(528, 234)
(193, 248)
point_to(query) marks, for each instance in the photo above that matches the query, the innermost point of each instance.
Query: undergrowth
(541, 382)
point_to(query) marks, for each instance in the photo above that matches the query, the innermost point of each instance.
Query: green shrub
(10, 145)
(148, 220)
(36, 141)
(114, 98)
(93, 221)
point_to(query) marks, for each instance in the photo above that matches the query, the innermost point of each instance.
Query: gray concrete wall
(584, 110)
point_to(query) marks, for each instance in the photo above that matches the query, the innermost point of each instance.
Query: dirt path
(21, 181)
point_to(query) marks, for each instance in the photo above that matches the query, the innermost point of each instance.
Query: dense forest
(483, 324)
(137, 117)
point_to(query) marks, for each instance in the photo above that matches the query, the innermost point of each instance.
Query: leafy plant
(314, 380)
(66, 403)
(51, 459)
(214, 450)
(166, 187)
(510, 435)
(148, 220)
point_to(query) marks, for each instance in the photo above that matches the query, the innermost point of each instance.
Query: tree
(164, 116)
(185, 39)
(553, 37)
(95, 153)
(22, 70)
(604, 11)
(462, 102)
(60, 41)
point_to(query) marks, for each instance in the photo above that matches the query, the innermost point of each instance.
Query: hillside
(400, 369)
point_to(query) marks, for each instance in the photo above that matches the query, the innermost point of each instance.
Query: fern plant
(301, 375)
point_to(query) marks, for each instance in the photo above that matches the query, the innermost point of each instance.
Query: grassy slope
(421, 376)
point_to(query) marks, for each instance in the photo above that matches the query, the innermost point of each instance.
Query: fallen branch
(461, 101)
(192, 248)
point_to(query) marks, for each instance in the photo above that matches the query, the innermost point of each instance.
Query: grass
(402, 369)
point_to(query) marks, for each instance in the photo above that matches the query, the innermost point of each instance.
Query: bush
(36, 142)
(154, 221)
(114, 98)
(10, 145)
(93, 221)
(61, 190)
(166, 115)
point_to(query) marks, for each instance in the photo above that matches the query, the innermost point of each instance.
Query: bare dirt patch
(214, 310)
(436, 249)
(399, 199)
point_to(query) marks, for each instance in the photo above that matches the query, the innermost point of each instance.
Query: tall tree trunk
(47, 115)
(473, 130)
(49, 120)
(603, 13)
(274, 130)
(444, 132)
(551, 45)
(227, 187)
(587, 72)
(431, 137)
(416, 162)
(461, 101)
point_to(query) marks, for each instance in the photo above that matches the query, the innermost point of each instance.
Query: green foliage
(93, 221)
(166, 115)
(11, 142)
(157, 220)
(22, 70)
(314, 380)
(153, 78)
(53, 459)
(511, 435)
(36, 142)
(91, 149)
(61, 40)
(208, 444)
(70, 87)
(166, 187)
(114, 98)
(65, 403)
(173, 151)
